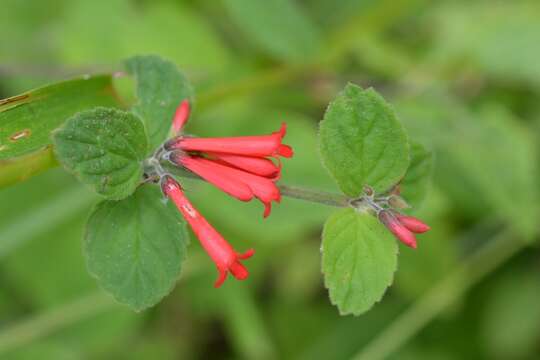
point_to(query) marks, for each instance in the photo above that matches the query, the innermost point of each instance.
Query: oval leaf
(415, 184)
(160, 89)
(104, 148)
(135, 247)
(362, 142)
(359, 258)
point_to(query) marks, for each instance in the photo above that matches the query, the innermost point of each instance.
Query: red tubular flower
(413, 224)
(240, 166)
(254, 165)
(181, 116)
(258, 146)
(238, 183)
(399, 230)
(221, 252)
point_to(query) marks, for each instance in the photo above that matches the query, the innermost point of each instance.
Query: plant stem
(295, 192)
(316, 196)
(493, 254)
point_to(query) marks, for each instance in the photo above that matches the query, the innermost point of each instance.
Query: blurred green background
(464, 77)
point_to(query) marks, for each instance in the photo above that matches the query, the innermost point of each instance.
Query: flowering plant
(238, 166)
(135, 244)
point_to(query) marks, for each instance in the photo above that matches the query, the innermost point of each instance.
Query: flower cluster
(240, 166)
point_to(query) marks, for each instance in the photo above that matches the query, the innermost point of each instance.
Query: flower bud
(399, 230)
(413, 224)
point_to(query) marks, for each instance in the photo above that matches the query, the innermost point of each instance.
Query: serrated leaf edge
(327, 286)
(111, 294)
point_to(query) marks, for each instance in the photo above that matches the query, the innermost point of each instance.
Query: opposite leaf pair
(364, 145)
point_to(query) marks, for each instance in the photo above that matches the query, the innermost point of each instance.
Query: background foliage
(463, 76)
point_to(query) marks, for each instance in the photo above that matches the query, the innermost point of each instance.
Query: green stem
(316, 196)
(295, 192)
(495, 253)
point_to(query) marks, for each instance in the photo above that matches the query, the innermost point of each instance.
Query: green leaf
(27, 120)
(104, 148)
(277, 26)
(359, 258)
(22, 167)
(362, 142)
(135, 247)
(160, 89)
(415, 184)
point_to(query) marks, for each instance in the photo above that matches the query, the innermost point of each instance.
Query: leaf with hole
(27, 120)
(104, 148)
(135, 247)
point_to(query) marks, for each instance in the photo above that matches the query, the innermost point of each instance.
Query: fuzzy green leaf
(135, 247)
(362, 142)
(359, 258)
(415, 184)
(104, 148)
(160, 89)
(27, 120)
